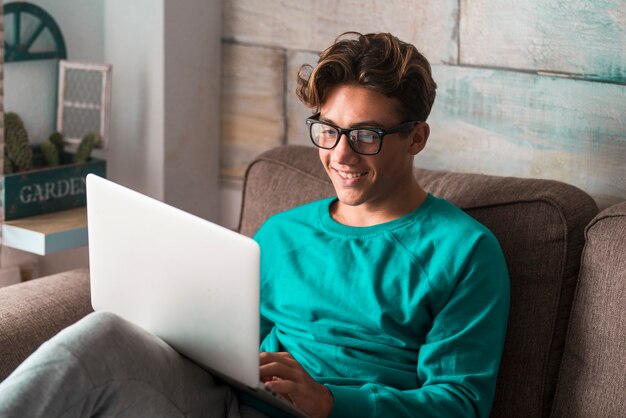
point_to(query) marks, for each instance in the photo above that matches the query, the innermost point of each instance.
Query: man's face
(378, 182)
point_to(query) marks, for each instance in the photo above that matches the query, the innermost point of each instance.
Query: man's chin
(349, 200)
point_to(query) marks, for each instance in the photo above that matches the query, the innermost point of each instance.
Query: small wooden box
(50, 189)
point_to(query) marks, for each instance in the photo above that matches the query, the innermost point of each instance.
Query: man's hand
(283, 374)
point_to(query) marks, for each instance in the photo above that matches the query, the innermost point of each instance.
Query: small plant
(51, 152)
(57, 139)
(8, 167)
(18, 156)
(87, 144)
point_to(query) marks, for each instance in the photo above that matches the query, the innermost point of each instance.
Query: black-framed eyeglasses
(365, 141)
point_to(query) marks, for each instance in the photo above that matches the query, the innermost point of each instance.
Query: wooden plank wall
(530, 89)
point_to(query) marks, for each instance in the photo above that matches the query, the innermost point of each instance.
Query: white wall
(165, 119)
(193, 32)
(133, 44)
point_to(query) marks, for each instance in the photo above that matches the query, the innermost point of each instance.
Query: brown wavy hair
(378, 61)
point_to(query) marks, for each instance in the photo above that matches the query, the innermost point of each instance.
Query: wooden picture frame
(84, 101)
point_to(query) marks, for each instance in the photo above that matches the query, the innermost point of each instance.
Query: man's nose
(342, 152)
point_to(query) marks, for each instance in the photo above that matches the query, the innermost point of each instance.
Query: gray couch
(565, 353)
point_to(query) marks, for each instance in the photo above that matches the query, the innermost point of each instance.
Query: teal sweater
(401, 319)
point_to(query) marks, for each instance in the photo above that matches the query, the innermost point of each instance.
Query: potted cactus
(44, 178)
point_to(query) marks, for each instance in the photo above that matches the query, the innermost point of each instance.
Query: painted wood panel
(297, 112)
(584, 38)
(511, 123)
(252, 105)
(431, 25)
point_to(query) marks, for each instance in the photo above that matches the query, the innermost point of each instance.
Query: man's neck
(372, 214)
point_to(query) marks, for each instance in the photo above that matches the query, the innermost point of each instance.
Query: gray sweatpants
(105, 366)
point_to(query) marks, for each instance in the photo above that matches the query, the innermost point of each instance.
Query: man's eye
(367, 137)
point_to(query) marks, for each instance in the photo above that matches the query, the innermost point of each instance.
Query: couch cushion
(34, 311)
(592, 381)
(539, 224)
(293, 169)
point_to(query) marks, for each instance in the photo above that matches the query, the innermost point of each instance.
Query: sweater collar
(329, 224)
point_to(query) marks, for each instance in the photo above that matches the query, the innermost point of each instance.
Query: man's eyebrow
(360, 124)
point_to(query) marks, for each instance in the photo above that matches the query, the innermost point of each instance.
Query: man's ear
(419, 137)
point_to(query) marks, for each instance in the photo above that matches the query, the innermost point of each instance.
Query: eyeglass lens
(362, 141)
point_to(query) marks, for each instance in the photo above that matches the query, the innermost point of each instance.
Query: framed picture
(84, 101)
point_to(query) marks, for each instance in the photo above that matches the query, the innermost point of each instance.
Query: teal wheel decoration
(28, 24)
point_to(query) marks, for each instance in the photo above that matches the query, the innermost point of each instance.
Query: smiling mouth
(349, 175)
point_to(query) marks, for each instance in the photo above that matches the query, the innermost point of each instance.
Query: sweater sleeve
(458, 363)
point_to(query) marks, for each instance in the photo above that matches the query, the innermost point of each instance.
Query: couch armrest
(34, 311)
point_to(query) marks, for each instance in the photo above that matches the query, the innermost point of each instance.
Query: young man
(384, 301)
(393, 299)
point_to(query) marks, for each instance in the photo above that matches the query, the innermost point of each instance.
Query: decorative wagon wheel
(22, 14)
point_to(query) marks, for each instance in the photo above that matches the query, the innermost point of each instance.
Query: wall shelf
(48, 233)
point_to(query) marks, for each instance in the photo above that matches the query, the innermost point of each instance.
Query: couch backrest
(592, 380)
(539, 224)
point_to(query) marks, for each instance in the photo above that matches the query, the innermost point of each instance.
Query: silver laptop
(192, 283)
